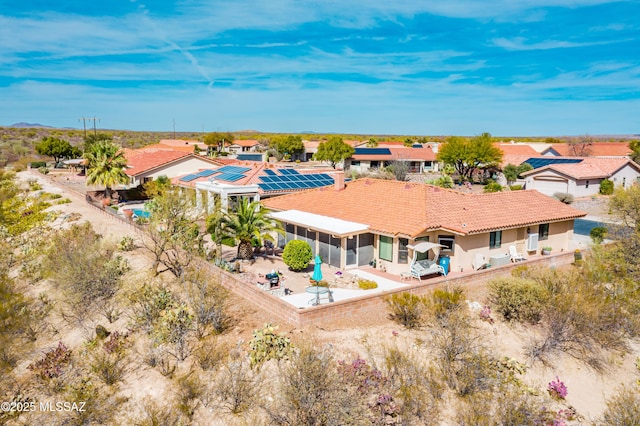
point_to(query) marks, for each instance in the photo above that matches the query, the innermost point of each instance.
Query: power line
(84, 123)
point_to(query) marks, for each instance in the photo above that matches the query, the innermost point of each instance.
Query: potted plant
(546, 250)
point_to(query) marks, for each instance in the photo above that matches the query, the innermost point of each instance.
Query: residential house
(148, 163)
(242, 145)
(420, 158)
(352, 224)
(579, 177)
(311, 147)
(595, 149)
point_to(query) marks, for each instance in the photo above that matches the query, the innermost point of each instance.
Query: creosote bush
(518, 299)
(563, 197)
(367, 284)
(297, 255)
(407, 309)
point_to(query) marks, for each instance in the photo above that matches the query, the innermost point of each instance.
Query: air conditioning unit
(532, 242)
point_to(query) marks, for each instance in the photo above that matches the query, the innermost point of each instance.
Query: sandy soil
(588, 389)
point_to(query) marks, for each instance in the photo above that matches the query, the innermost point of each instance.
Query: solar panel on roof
(542, 162)
(233, 169)
(270, 172)
(230, 177)
(205, 173)
(289, 172)
(372, 151)
(188, 178)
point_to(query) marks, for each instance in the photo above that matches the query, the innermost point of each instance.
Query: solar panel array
(233, 169)
(372, 151)
(230, 177)
(542, 162)
(270, 172)
(205, 173)
(295, 180)
(189, 178)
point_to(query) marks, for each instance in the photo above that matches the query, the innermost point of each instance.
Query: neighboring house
(580, 177)
(241, 145)
(420, 158)
(515, 153)
(351, 225)
(180, 145)
(248, 179)
(146, 164)
(311, 147)
(596, 149)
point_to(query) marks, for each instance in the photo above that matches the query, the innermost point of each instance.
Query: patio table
(317, 290)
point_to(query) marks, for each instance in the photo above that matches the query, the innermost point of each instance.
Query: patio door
(329, 249)
(352, 252)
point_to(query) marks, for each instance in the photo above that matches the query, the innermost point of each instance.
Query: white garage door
(550, 186)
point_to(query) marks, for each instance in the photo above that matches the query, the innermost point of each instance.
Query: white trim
(326, 224)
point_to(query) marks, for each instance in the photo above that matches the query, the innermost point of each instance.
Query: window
(587, 184)
(448, 241)
(355, 162)
(495, 239)
(403, 251)
(147, 179)
(543, 231)
(374, 164)
(385, 250)
(425, 255)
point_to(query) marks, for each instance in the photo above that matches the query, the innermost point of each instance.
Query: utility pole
(84, 124)
(95, 132)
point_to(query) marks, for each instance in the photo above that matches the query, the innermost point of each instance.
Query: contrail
(194, 61)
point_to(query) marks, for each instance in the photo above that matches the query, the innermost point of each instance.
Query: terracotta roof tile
(146, 159)
(246, 142)
(588, 168)
(404, 208)
(597, 149)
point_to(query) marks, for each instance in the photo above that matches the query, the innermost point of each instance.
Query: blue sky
(431, 67)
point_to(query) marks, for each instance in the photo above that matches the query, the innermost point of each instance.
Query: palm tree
(247, 224)
(106, 163)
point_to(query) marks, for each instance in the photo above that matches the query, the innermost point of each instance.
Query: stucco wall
(179, 168)
(628, 174)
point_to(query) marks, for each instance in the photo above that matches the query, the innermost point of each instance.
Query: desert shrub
(110, 368)
(460, 357)
(563, 197)
(367, 284)
(237, 387)
(414, 385)
(597, 234)
(515, 187)
(127, 243)
(64, 201)
(297, 254)
(623, 408)
(312, 394)
(38, 164)
(492, 186)
(44, 170)
(189, 390)
(518, 299)
(606, 187)
(149, 302)
(208, 301)
(210, 354)
(52, 363)
(407, 309)
(268, 344)
(157, 414)
(54, 196)
(444, 301)
(173, 329)
(87, 272)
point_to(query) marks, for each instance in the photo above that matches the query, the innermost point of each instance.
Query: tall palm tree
(106, 164)
(248, 223)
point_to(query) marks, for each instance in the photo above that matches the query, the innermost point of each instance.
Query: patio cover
(318, 222)
(425, 246)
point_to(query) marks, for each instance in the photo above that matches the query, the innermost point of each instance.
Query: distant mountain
(30, 125)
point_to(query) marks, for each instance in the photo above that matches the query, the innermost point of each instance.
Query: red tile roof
(245, 142)
(588, 168)
(399, 153)
(404, 208)
(142, 160)
(180, 144)
(597, 149)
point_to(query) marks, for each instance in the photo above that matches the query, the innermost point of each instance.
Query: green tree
(512, 172)
(105, 166)
(408, 142)
(216, 140)
(57, 149)
(625, 204)
(156, 187)
(288, 145)
(334, 151)
(469, 155)
(247, 224)
(173, 235)
(372, 143)
(635, 150)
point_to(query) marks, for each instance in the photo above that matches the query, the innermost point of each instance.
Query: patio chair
(515, 256)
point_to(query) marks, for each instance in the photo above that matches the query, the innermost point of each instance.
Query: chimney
(338, 178)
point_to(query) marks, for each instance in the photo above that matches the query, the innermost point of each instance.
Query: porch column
(211, 202)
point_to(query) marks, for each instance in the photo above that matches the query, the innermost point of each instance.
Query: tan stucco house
(350, 225)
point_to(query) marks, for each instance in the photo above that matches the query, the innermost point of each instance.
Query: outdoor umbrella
(317, 271)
